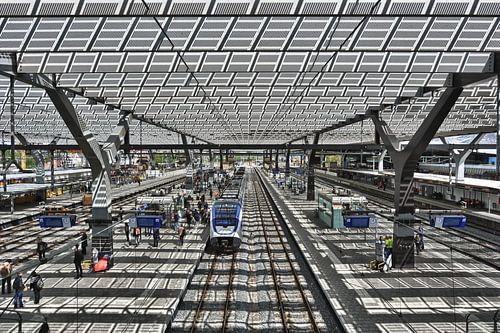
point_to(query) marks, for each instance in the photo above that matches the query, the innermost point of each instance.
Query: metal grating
(98, 8)
(231, 8)
(193, 8)
(55, 7)
(276, 8)
(488, 8)
(362, 8)
(405, 8)
(8, 9)
(138, 8)
(319, 8)
(451, 8)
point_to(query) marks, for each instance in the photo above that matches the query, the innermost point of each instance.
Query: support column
(4, 171)
(186, 151)
(152, 161)
(100, 160)
(270, 159)
(221, 160)
(460, 157)
(405, 162)
(287, 165)
(381, 161)
(52, 175)
(497, 162)
(211, 167)
(310, 170)
(276, 160)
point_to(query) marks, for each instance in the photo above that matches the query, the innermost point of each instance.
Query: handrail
(20, 321)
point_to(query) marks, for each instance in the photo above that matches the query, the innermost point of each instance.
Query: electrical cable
(191, 75)
(332, 57)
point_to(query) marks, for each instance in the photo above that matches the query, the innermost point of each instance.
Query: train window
(225, 214)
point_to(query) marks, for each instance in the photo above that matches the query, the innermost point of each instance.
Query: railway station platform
(140, 293)
(443, 289)
(71, 200)
(21, 248)
(489, 220)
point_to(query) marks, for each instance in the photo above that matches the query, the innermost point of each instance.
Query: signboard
(57, 221)
(360, 221)
(448, 221)
(146, 221)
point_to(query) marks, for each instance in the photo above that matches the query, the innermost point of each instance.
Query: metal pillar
(287, 165)
(186, 151)
(100, 160)
(52, 175)
(276, 160)
(405, 162)
(152, 159)
(460, 157)
(221, 160)
(310, 170)
(497, 162)
(4, 171)
(381, 161)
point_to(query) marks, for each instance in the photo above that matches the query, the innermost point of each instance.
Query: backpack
(39, 284)
(4, 271)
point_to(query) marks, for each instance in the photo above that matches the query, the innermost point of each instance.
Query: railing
(20, 320)
(474, 316)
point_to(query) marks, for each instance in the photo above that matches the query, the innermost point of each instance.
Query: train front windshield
(225, 214)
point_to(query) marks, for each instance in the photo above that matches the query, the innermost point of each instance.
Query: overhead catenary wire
(215, 111)
(332, 57)
(303, 74)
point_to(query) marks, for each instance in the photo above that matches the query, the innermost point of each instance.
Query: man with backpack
(36, 284)
(19, 288)
(6, 274)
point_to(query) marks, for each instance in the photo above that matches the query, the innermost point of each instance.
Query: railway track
(292, 317)
(480, 249)
(200, 308)
(261, 288)
(12, 242)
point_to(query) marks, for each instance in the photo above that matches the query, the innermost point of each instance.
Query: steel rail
(290, 261)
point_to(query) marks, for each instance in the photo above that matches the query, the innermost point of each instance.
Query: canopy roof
(236, 71)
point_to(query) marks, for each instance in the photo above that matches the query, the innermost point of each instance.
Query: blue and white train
(226, 227)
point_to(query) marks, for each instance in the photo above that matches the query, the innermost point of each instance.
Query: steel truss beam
(257, 147)
(8, 68)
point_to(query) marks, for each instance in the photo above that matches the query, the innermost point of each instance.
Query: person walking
(6, 274)
(420, 232)
(156, 236)
(83, 240)
(137, 235)
(127, 232)
(36, 284)
(19, 288)
(211, 193)
(41, 248)
(416, 240)
(77, 259)
(182, 234)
